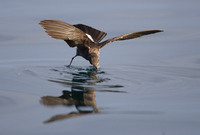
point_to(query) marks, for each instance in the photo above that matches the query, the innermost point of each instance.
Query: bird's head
(94, 60)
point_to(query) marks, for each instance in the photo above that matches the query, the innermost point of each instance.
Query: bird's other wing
(129, 36)
(95, 34)
(61, 30)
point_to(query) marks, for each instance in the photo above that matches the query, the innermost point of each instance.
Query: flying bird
(85, 38)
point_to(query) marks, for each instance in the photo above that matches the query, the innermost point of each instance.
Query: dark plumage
(85, 38)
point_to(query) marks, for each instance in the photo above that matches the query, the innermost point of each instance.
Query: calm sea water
(148, 85)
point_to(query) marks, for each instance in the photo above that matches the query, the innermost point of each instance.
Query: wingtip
(41, 22)
(156, 31)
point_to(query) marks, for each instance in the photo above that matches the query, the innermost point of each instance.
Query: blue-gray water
(148, 85)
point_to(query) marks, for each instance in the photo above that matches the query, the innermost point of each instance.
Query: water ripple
(85, 77)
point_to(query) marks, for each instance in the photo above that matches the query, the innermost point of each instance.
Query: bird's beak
(96, 67)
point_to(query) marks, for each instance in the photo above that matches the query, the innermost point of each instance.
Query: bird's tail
(96, 35)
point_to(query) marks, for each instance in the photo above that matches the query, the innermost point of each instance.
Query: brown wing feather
(97, 35)
(61, 30)
(129, 36)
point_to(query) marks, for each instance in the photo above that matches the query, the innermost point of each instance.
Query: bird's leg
(72, 60)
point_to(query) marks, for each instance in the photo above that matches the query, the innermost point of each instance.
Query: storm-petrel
(85, 38)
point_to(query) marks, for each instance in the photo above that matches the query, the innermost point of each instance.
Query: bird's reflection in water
(82, 94)
(84, 101)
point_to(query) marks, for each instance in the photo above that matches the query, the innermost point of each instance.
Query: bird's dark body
(91, 54)
(85, 38)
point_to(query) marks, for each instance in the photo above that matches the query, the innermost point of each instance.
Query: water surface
(148, 85)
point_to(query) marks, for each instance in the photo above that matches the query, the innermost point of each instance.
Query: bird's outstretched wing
(129, 36)
(61, 30)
